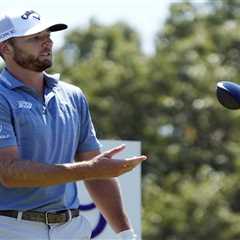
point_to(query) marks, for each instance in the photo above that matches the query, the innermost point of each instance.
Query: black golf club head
(228, 94)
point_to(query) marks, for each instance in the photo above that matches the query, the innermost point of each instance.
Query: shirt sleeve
(7, 135)
(87, 140)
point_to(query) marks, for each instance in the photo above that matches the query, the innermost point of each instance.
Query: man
(44, 125)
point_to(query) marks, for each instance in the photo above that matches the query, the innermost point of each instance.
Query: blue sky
(146, 16)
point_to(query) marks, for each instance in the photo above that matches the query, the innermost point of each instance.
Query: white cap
(24, 24)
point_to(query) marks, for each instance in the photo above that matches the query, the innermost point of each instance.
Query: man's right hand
(105, 165)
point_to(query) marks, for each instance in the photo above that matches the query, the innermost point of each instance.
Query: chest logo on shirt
(24, 104)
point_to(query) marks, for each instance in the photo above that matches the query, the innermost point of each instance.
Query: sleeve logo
(2, 134)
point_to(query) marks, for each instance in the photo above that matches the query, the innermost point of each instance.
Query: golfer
(48, 143)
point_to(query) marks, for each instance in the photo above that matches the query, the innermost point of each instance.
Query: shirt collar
(51, 80)
(11, 82)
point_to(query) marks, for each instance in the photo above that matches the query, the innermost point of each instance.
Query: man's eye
(39, 38)
(36, 38)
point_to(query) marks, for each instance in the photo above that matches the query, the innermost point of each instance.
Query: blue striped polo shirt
(49, 130)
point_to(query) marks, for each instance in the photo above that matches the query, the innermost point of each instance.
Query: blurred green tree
(168, 102)
(198, 47)
(193, 53)
(195, 210)
(108, 64)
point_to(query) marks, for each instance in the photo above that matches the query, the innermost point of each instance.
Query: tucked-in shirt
(49, 129)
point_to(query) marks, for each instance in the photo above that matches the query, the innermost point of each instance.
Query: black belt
(45, 217)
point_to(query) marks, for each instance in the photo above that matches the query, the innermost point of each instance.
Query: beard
(30, 62)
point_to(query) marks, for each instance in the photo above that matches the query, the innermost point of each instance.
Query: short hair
(11, 41)
(1, 56)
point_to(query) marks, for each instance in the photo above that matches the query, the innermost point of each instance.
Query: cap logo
(27, 14)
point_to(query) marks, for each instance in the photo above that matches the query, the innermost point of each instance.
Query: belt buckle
(46, 218)
(69, 216)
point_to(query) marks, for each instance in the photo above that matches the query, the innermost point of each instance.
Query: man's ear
(5, 48)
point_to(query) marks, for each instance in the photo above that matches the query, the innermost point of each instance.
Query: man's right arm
(16, 172)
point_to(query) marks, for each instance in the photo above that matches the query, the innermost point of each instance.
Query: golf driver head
(228, 94)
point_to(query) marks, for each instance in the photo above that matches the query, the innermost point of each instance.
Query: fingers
(110, 153)
(137, 158)
(121, 165)
(132, 162)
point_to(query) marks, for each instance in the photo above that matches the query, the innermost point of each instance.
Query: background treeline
(191, 183)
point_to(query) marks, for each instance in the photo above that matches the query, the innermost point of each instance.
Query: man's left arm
(107, 196)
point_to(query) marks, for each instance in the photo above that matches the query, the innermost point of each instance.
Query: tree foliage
(168, 102)
(198, 47)
(108, 64)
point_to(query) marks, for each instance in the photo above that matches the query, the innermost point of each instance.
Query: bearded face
(33, 53)
(29, 61)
